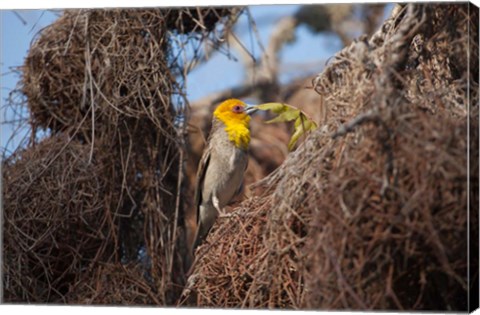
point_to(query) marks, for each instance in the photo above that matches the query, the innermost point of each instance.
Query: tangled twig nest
(55, 223)
(115, 285)
(103, 191)
(370, 213)
(103, 67)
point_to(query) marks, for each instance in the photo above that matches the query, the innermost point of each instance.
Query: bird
(222, 165)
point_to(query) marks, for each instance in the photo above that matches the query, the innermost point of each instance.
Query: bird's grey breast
(226, 168)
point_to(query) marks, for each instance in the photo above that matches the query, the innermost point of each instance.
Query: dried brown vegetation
(103, 190)
(55, 224)
(370, 212)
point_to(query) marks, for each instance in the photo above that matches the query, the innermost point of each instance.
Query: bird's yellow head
(234, 114)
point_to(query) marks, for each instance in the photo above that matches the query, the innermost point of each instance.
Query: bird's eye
(237, 109)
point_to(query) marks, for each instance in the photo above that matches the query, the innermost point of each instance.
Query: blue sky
(16, 36)
(220, 72)
(307, 48)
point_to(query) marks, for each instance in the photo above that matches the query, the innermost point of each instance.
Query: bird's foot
(227, 215)
(216, 204)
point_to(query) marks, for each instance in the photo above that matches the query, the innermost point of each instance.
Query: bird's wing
(242, 183)
(202, 170)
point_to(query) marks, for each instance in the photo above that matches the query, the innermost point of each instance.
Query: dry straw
(102, 192)
(368, 213)
(371, 211)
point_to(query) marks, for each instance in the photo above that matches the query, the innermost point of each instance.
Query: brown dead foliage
(54, 219)
(115, 284)
(370, 212)
(103, 191)
(114, 60)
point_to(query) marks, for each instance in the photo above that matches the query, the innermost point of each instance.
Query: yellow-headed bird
(221, 168)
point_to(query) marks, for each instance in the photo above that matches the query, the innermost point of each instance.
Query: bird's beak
(250, 109)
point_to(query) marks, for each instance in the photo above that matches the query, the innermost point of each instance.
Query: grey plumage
(219, 178)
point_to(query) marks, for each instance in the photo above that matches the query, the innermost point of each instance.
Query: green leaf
(277, 108)
(288, 113)
(285, 112)
(296, 135)
(302, 125)
(307, 124)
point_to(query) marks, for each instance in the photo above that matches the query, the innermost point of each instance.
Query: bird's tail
(198, 239)
(207, 219)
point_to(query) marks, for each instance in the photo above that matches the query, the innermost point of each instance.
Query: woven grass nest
(370, 212)
(102, 190)
(55, 222)
(114, 63)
